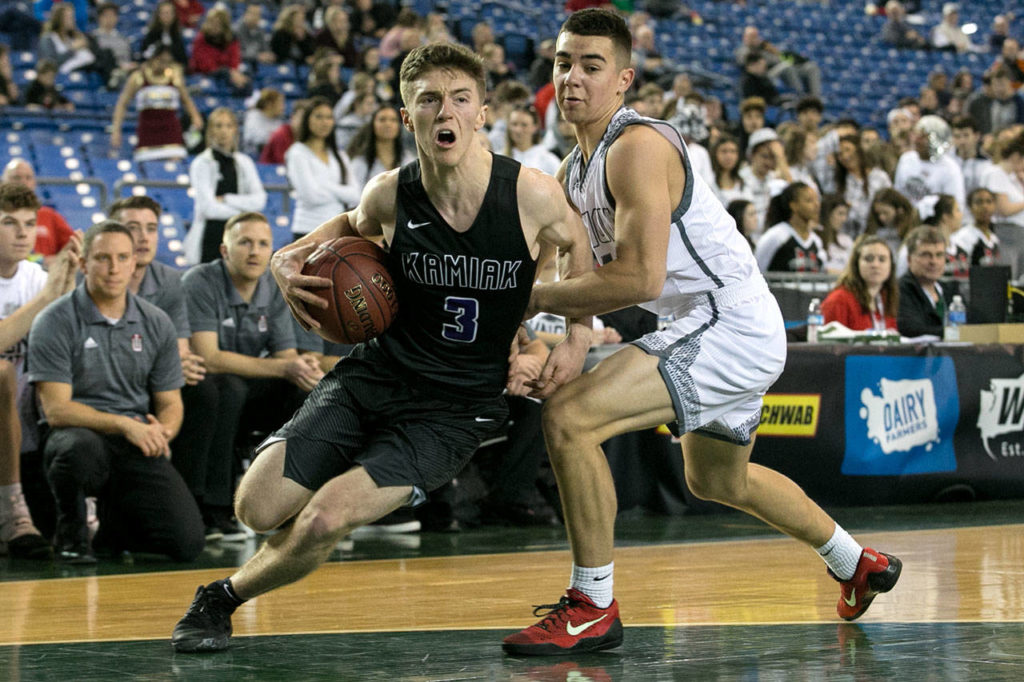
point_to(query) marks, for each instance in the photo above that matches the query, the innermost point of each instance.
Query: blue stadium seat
(170, 171)
(173, 228)
(280, 228)
(57, 161)
(112, 171)
(81, 218)
(176, 201)
(271, 173)
(519, 49)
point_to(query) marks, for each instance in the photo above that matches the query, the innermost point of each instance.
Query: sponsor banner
(793, 415)
(1001, 418)
(901, 413)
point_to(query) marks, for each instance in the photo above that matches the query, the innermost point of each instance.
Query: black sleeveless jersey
(461, 295)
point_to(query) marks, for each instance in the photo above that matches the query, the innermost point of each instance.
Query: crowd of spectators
(892, 214)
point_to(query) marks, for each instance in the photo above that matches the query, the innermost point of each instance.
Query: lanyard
(878, 314)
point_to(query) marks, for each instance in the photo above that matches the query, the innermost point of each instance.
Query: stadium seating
(862, 78)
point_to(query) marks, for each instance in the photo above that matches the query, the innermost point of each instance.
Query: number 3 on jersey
(466, 312)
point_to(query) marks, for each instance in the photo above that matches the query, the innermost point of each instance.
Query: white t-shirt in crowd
(915, 179)
(15, 292)
(999, 181)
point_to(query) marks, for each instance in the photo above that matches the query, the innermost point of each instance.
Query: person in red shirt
(189, 11)
(284, 136)
(216, 50)
(867, 293)
(52, 230)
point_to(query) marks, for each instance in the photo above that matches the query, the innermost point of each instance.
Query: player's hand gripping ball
(362, 303)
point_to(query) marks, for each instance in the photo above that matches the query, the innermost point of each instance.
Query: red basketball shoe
(572, 625)
(876, 573)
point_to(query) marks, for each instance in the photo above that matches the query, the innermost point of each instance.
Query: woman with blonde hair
(291, 41)
(216, 51)
(225, 183)
(336, 35)
(62, 43)
(867, 292)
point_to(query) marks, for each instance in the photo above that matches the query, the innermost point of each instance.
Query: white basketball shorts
(719, 357)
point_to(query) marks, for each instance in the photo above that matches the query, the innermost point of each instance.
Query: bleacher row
(862, 79)
(77, 175)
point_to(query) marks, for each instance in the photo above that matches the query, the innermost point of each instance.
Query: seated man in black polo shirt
(922, 302)
(242, 328)
(106, 369)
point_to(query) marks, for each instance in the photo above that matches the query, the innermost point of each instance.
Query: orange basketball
(362, 303)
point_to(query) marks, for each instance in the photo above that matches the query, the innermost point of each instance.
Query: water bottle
(814, 320)
(956, 317)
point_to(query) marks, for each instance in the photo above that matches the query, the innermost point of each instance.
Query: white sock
(595, 582)
(10, 496)
(841, 553)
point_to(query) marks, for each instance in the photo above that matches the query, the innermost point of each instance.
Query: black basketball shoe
(206, 626)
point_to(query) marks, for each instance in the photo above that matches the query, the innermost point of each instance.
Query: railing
(119, 186)
(98, 182)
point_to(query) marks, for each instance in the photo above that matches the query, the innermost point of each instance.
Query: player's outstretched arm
(561, 228)
(640, 168)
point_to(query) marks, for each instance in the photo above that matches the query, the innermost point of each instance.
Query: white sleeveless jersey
(705, 252)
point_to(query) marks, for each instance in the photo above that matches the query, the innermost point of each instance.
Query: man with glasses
(922, 300)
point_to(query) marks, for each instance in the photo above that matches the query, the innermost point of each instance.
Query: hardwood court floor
(753, 607)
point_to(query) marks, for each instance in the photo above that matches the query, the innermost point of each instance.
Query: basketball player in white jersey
(662, 240)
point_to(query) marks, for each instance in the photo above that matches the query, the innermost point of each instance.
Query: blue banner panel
(901, 413)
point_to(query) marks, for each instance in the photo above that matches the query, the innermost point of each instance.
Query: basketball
(362, 303)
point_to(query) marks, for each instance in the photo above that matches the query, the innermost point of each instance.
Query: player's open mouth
(445, 138)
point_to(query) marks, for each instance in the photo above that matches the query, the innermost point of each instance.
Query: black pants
(518, 459)
(220, 411)
(143, 504)
(203, 452)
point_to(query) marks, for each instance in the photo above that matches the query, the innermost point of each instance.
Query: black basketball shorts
(362, 412)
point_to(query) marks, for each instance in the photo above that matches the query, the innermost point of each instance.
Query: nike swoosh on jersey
(412, 226)
(483, 419)
(574, 630)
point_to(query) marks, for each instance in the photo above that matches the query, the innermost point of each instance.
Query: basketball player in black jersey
(403, 413)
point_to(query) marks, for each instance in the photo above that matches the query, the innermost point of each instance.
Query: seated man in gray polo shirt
(106, 369)
(242, 328)
(202, 460)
